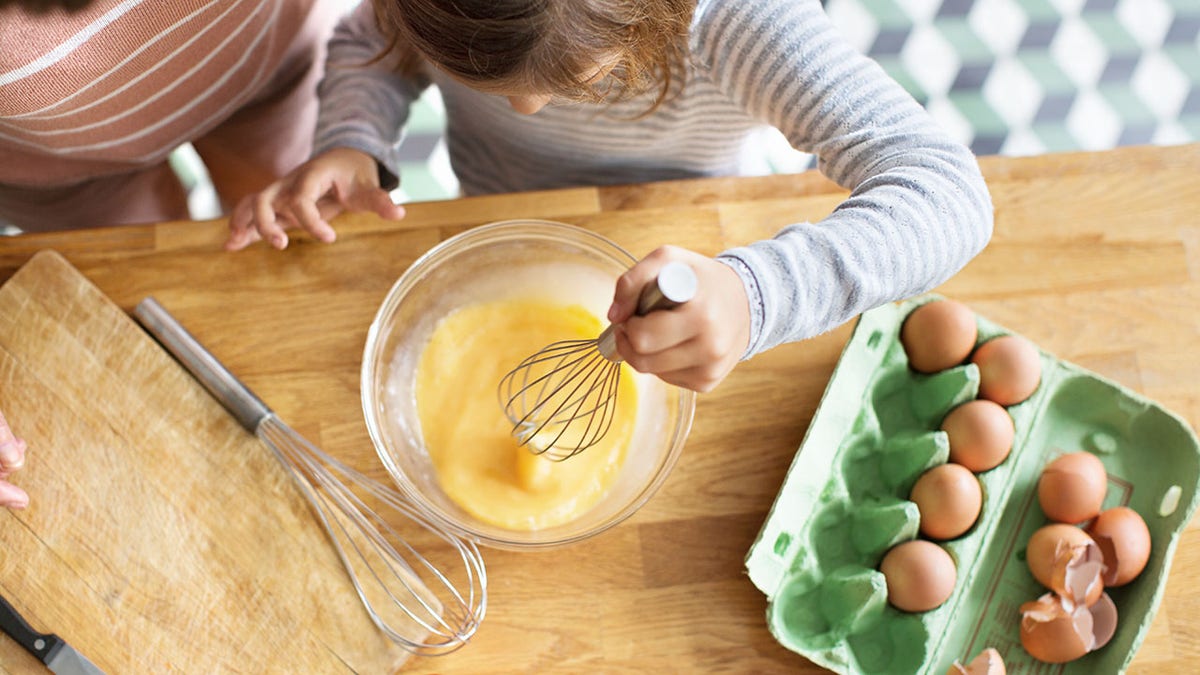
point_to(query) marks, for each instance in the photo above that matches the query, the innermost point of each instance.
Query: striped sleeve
(918, 211)
(364, 101)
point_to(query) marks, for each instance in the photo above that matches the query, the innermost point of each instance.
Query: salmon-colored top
(118, 86)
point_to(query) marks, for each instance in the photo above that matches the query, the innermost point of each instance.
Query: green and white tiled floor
(1030, 76)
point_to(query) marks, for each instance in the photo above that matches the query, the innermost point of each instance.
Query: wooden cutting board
(161, 537)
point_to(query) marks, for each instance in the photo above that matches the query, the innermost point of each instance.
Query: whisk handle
(227, 389)
(674, 285)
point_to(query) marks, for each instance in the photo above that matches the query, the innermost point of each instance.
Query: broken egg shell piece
(1066, 560)
(988, 662)
(1054, 630)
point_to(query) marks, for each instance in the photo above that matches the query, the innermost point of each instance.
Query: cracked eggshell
(1071, 488)
(1124, 540)
(988, 662)
(1066, 560)
(1055, 630)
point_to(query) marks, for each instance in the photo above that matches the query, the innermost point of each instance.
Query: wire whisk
(414, 603)
(562, 399)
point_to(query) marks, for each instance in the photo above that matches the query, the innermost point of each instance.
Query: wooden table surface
(1096, 257)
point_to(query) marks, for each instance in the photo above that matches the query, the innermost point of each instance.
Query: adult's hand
(12, 457)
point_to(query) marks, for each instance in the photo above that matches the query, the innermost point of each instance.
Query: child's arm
(364, 105)
(918, 211)
(365, 101)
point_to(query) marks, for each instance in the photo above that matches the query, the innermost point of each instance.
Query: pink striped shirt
(116, 87)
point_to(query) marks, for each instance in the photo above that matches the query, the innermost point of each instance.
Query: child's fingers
(267, 224)
(700, 379)
(659, 330)
(309, 217)
(12, 457)
(384, 207)
(240, 239)
(629, 287)
(676, 357)
(6, 433)
(302, 204)
(696, 364)
(12, 454)
(376, 200)
(241, 231)
(12, 496)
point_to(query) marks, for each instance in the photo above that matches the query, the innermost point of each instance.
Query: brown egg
(988, 662)
(1071, 488)
(1066, 560)
(938, 335)
(949, 499)
(1009, 369)
(981, 434)
(1124, 540)
(1055, 631)
(920, 575)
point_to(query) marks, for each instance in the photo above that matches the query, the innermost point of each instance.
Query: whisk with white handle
(416, 605)
(562, 399)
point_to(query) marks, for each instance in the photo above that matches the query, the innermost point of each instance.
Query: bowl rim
(447, 524)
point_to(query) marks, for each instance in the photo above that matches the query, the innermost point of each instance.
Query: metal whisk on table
(422, 608)
(562, 399)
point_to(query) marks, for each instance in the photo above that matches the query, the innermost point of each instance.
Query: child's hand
(12, 457)
(316, 191)
(694, 345)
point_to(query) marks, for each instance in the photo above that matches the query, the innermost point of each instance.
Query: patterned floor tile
(1029, 76)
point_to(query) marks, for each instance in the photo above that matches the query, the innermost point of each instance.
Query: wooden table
(1096, 257)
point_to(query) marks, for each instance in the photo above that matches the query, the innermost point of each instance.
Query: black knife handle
(41, 645)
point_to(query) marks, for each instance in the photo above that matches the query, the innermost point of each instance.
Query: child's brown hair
(545, 46)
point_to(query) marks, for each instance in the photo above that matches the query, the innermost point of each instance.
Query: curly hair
(546, 46)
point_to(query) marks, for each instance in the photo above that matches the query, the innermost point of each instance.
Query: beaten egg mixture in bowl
(454, 323)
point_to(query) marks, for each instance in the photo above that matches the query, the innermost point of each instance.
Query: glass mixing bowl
(509, 259)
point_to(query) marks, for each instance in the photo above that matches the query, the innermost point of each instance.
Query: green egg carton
(843, 504)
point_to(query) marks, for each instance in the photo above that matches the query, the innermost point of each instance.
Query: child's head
(546, 47)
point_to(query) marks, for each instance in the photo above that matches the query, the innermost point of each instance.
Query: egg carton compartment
(844, 503)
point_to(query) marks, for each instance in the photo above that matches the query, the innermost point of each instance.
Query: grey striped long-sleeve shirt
(918, 211)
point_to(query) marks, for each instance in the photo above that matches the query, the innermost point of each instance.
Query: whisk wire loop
(347, 520)
(572, 382)
(561, 384)
(414, 602)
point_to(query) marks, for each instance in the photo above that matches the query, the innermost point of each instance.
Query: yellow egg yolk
(475, 456)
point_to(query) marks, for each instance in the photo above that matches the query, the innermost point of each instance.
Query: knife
(60, 657)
